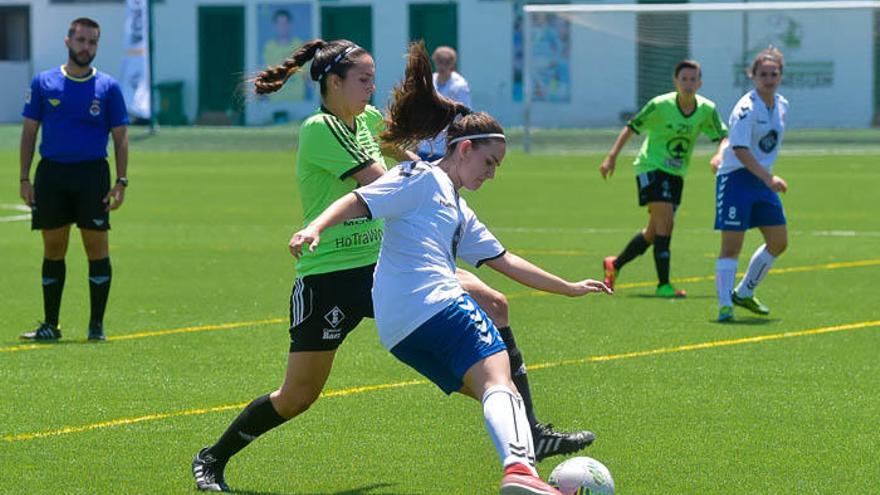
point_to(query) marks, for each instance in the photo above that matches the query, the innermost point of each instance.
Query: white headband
(478, 136)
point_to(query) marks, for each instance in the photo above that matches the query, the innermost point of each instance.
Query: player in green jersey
(338, 151)
(671, 123)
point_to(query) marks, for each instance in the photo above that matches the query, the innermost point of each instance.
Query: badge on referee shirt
(27, 97)
(95, 109)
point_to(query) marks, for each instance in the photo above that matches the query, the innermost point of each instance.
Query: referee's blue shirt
(76, 113)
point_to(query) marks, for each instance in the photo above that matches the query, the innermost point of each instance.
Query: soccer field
(197, 328)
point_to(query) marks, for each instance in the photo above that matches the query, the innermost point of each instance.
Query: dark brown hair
(769, 54)
(327, 57)
(417, 112)
(84, 22)
(687, 64)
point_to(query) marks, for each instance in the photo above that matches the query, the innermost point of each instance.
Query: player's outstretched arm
(344, 208)
(532, 276)
(608, 164)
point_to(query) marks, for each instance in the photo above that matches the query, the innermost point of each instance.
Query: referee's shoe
(549, 442)
(46, 332)
(208, 472)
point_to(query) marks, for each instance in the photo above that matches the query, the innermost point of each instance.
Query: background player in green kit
(671, 123)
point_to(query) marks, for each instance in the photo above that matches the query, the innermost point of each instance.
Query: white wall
(603, 59)
(13, 85)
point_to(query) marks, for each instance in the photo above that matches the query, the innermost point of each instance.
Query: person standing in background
(77, 107)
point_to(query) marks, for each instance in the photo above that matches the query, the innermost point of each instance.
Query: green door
(348, 23)
(436, 23)
(221, 65)
(663, 40)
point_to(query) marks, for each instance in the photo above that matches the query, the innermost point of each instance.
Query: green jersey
(670, 134)
(329, 155)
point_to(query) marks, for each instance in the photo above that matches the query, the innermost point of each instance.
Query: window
(15, 39)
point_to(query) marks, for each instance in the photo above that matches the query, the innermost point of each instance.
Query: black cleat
(46, 332)
(549, 442)
(96, 332)
(208, 472)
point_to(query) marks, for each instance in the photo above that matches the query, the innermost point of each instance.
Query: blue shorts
(742, 202)
(446, 346)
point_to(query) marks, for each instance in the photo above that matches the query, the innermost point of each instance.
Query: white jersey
(456, 89)
(756, 127)
(427, 225)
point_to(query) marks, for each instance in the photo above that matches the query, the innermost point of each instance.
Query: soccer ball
(582, 476)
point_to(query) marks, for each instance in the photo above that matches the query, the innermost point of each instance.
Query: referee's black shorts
(66, 193)
(324, 308)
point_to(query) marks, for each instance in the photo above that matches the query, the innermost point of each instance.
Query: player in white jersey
(747, 192)
(424, 316)
(449, 84)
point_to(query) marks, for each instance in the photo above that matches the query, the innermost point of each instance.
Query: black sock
(257, 418)
(100, 274)
(518, 373)
(636, 247)
(53, 286)
(661, 258)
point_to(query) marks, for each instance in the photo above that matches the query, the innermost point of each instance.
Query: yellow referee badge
(54, 102)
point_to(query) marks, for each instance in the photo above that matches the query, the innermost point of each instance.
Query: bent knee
(497, 308)
(289, 404)
(777, 248)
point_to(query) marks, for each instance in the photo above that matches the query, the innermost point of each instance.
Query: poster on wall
(786, 31)
(281, 29)
(550, 43)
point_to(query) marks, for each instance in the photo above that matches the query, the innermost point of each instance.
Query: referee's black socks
(518, 373)
(53, 286)
(635, 248)
(257, 418)
(100, 274)
(661, 258)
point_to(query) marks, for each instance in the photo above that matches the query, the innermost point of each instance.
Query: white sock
(725, 276)
(509, 427)
(760, 264)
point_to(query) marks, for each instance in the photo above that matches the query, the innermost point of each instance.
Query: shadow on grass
(748, 320)
(652, 296)
(364, 490)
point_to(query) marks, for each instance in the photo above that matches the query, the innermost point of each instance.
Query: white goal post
(590, 65)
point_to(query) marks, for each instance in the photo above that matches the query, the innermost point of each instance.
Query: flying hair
(417, 111)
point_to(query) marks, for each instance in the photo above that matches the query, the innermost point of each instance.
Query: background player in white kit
(747, 191)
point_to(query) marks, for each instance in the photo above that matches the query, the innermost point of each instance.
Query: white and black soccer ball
(582, 476)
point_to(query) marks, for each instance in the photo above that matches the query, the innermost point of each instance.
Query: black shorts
(659, 186)
(66, 193)
(324, 308)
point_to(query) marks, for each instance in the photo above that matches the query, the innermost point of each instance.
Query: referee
(77, 107)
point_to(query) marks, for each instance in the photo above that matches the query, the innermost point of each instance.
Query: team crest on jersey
(768, 142)
(334, 317)
(95, 109)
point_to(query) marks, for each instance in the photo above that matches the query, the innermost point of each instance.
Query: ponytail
(416, 111)
(327, 57)
(272, 79)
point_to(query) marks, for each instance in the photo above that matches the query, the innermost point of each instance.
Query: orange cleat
(610, 271)
(520, 480)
